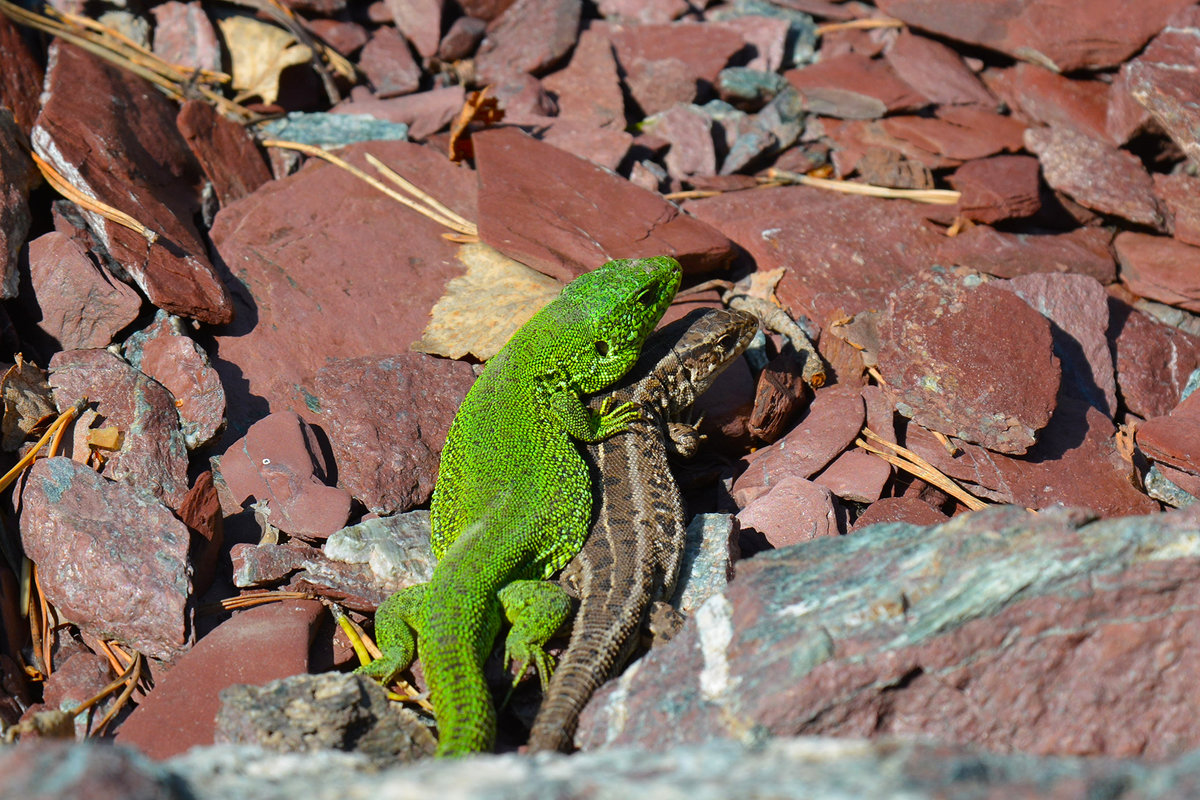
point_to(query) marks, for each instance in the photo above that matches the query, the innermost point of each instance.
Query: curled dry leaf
(259, 53)
(27, 402)
(479, 111)
(483, 308)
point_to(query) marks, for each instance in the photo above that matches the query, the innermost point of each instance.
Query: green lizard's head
(624, 299)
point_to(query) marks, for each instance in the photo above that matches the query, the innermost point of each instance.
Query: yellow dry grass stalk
(175, 80)
(914, 464)
(76, 196)
(944, 197)
(859, 25)
(420, 202)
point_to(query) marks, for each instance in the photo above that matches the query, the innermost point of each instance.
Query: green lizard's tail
(457, 642)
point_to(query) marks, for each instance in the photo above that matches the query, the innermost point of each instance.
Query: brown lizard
(631, 556)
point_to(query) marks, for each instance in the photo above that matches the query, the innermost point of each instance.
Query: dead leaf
(27, 401)
(478, 112)
(259, 52)
(483, 308)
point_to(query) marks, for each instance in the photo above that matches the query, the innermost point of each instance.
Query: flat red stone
(1179, 197)
(1052, 99)
(1006, 255)
(936, 71)
(1160, 268)
(319, 279)
(969, 360)
(1164, 79)
(253, 647)
(855, 73)
(115, 133)
(1069, 37)
(844, 253)
(998, 188)
(1095, 174)
(1154, 361)
(1174, 439)
(563, 216)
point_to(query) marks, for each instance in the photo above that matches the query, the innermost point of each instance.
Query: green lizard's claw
(611, 420)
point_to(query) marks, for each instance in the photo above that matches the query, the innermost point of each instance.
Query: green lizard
(513, 499)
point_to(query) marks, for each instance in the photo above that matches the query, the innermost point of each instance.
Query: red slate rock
(853, 73)
(1179, 197)
(998, 188)
(705, 49)
(1075, 463)
(460, 41)
(1068, 37)
(818, 235)
(1078, 307)
(833, 421)
(425, 113)
(604, 147)
(484, 9)
(951, 137)
(898, 509)
(226, 151)
(17, 176)
(1126, 118)
(387, 420)
(279, 463)
(936, 71)
(854, 140)
(21, 79)
(253, 647)
(81, 306)
(184, 35)
(690, 132)
(792, 511)
(969, 360)
(1084, 251)
(152, 457)
(201, 512)
(658, 84)
(1174, 439)
(344, 36)
(1160, 268)
(645, 12)
(1153, 360)
(164, 352)
(1163, 79)
(588, 88)
(421, 23)
(568, 216)
(305, 265)
(768, 37)
(113, 134)
(530, 36)
(1049, 98)
(1095, 174)
(111, 559)
(389, 64)
(857, 476)
(75, 679)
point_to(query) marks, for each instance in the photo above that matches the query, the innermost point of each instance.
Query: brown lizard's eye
(602, 348)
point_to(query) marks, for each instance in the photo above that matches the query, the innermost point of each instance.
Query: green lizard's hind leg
(536, 610)
(395, 633)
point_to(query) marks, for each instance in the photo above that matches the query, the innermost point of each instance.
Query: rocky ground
(248, 358)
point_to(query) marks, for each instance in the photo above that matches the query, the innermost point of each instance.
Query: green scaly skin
(513, 499)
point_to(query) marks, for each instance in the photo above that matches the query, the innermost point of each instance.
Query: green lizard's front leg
(569, 414)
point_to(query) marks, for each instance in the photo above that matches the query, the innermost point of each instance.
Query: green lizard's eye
(602, 349)
(648, 295)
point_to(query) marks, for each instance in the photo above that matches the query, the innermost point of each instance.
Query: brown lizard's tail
(603, 636)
